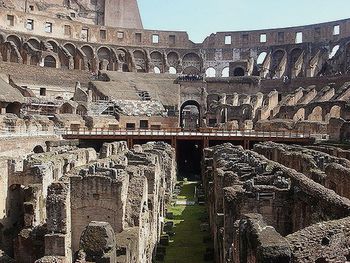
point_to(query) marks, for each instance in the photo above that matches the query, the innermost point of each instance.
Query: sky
(200, 18)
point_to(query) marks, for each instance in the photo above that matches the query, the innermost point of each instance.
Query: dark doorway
(238, 72)
(189, 156)
(190, 115)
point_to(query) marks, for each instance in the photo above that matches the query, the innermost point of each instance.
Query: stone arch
(192, 60)
(104, 55)
(88, 51)
(157, 60)
(239, 72)
(71, 48)
(210, 72)
(38, 149)
(81, 110)
(34, 60)
(173, 59)
(34, 42)
(124, 59)
(50, 62)
(299, 115)
(182, 113)
(67, 108)
(316, 114)
(54, 44)
(15, 40)
(140, 60)
(294, 55)
(334, 112)
(225, 73)
(277, 57)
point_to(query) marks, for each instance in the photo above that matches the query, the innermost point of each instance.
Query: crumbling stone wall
(128, 189)
(246, 182)
(323, 168)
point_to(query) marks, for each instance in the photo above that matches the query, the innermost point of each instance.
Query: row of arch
(68, 55)
(50, 53)
(318, 114)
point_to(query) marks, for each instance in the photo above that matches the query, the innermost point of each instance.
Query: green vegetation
(187, 245)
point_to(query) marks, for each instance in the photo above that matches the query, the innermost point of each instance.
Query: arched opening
(123, 59)
(210, 72)
(276, 60)
(15, 40)
(81, 110)
(335, 112)
(173, 59)
(334, 51)
(261, 58)
(299, 115)
(316, 114)
(34, 60)
(192, 61)
(38, 149)
(238, 72)
(52, 45)
(104, 56)
(140, 61)
(225, 72)
(50, 62)
(157, 60)
(14, 107)
(70, 48)
(66, 108)
(34, 43)
(88, 51)
(172, 70)
(190, 115)
(156, 70)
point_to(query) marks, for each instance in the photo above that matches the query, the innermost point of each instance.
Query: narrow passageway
(190, 242)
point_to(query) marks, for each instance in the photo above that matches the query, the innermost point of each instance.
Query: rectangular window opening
(103, 34)
(30, 24)
(263, 38)
(155, 39)
(228, 40)
(120, 35)
(172, 39)
(85, 34)
(336, 30)
(138, 37)
(10, 20)
(280, 37)
(245, 38)
(67, 30)
(299, 37)
(42, 92)
(48, 27)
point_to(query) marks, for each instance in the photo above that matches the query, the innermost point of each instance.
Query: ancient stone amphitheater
(100, 119)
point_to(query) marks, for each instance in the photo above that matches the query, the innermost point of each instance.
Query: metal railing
(202, 132)
(177, 132)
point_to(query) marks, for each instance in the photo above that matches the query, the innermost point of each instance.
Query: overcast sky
(200, 18)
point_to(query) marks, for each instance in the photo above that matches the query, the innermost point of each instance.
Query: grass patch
(187, 245)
